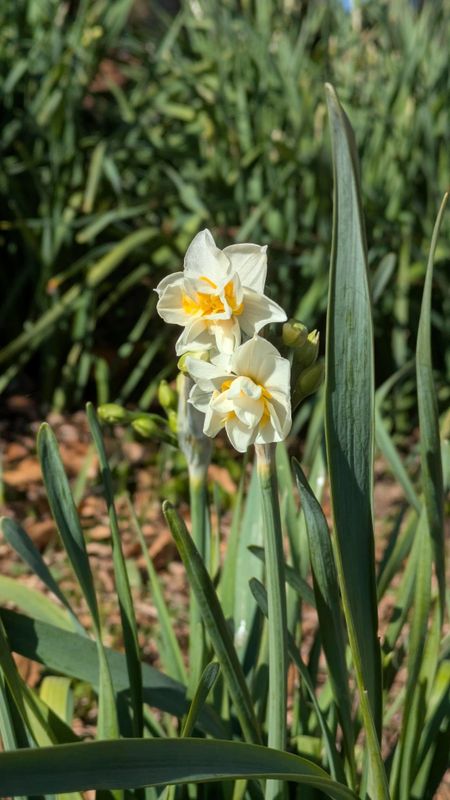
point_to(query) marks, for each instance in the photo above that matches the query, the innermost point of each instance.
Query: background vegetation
(126, 131)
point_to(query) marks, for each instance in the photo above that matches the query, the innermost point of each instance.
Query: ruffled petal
(250, 262)
(206, 375)
(203, 258)
(249, 411)
(170, 303)
(196, 336)
(240, 436)
(258, 310)
(213, 422)
(227, 334)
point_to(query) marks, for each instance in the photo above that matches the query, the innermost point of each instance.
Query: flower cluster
(219, 301)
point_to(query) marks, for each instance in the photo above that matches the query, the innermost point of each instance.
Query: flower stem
(199, 506)
(276, 599)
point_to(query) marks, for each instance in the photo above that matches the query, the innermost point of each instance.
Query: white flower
(219, 294)
(248, 394)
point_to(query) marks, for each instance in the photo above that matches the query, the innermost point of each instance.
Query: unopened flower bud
(306, 354)
(308, 382)
(167, 397)
(146, 427)
(294, 333)
(172, 419)
(113, 413)
(202, 355)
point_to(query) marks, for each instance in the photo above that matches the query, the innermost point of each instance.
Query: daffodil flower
(218, 296)
(248, 394)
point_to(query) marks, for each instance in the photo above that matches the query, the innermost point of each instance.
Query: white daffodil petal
(203, 258)
(240, 436)
(170, 303)
(226, 334)
(246, 387)
(175, 277)
(249, 411)
(250, 262)
(196, 336)
(213, 422)
(206, 375)
(273, 372)
(249, 357)
(200, 398)
(258, 311)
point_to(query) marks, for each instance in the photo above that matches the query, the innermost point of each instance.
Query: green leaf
(33, 602)
(260, 595)
(76, 656)
(128, 618)
(349, 428)
(170, 653)
(65, 515)
(27, 550)
(326, 590)
(215, 623)
(430, 446)
(132, 763)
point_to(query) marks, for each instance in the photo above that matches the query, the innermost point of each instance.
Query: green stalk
(196, 448)
(199, 532)
(276, 599)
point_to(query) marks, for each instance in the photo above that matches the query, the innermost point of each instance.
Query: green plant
(117, 123)
(335, 742)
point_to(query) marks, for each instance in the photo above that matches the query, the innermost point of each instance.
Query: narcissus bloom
(218, 296)
(248, 394)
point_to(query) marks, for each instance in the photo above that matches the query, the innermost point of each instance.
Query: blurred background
(129, 125)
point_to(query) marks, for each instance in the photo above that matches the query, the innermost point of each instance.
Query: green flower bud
(113, 413)
(308, 382)
(172, 418)
(306, 354)
(203, 355)
(294, 333)
(167, 396)
(146, 427)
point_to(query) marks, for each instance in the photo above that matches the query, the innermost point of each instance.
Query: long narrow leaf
(130, 763)
(76, 656)
(68, 524)
(128, 617)
(215, 624)
(349, 408)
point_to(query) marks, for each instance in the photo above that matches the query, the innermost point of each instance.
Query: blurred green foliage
(118, 120)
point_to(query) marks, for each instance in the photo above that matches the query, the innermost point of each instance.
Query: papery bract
(247, 393)
(218, 296)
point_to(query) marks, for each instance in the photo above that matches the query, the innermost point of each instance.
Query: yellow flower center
(211, 303)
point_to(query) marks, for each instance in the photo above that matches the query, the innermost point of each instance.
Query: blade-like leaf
(131, 763)
(28, 552)
(129, 626)
(349, 426)
(430, 446)
(215, 623)
(33, 602)
(337, 772)
(68, 524)
(170, 652)
(75, 656)
(328, 604)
